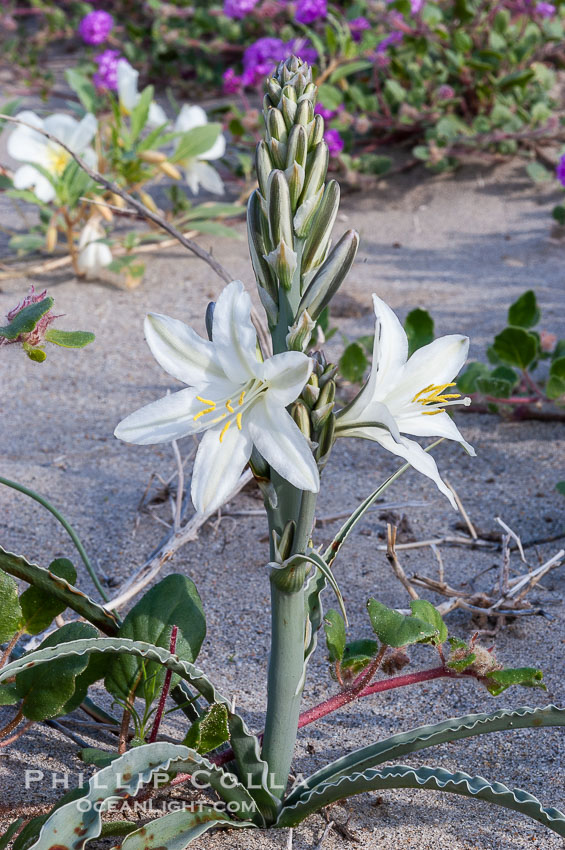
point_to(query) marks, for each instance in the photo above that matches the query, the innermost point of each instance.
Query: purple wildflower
(308, 11)
(231, 82)
(416, 5)
(445, 92)
(334, 142)
(96, 26)
(106, 77)
(239, 8)
(546, 10)
(393, 38)
(302, 48)
(326, 114)
(358, 26)
(560, 170)
(260, 59)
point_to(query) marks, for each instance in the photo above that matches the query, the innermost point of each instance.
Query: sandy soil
(461, 247)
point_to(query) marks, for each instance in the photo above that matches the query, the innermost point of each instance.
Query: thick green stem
(286, 661)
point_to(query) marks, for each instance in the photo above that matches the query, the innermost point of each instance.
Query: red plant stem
(165, 691)
(341, 699)
(18, 734)
(531, 383)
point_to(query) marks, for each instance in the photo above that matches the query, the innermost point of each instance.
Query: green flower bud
(301, 416)
(299, 334)
(283, 261)
(276, 125)
(259, 245)
(297, 146)
(279, 209)
(316, 172)
(317, 241)
(330, 275)
(263, 165)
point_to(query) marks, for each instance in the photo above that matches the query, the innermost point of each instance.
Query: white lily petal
(217, 150)
(283, 445)
(218, 466)
(62, 126)
(375, 414)
(287, 374)
(437, 363)
(25, 144)
(191, 175)
(233, 334)
(438, 425)
(27, 177)
(180, 351)
(169, 418)
(157, 115)
(90, 157)
(127, 85)
(83, 133)
(418, 458)
(190, 117)
(202, 174)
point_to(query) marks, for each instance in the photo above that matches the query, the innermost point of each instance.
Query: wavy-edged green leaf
(54, 585)
(209, 731)
(120, 780)
(26, 320)
(422, 737)
(395, 629)
(425, 611)
(498, 680)
(48, 690)
(40, 608)
(246, 746)
(174, 601)
(177, 829)
(358, 654)
(433, 778)
(10, 610)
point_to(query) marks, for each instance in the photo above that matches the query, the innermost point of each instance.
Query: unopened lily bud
(148, 201)
(283, 261)
(301, 416)
(274, 91)
(330, 275)
(170, 170)
(316, 131)
(51, 238)
(278, 153)
(320, 362)
(209, 318)
(316, 243)
(310, 395)
(304, 113)
(288, 109)
(297, 146)
(327, 395)
(119, 202)
(329, 374)
(298, 337)
(257, 232)
(155, 157)
(279, 209)
(263, 165)
(286, 540)
(310, 91)
(276, 125)
(105, 212)
(305, 214)
(325, 440)
(320, 415)
(295, 179)
(316, 172)
(259, 465)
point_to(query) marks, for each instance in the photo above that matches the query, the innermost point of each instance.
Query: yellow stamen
(432, 412)
(242, 396)
(206, 400)
(238, 420)
(229, 407)
(224, 429)
(218, 418)
(202, 412)
(425, 390)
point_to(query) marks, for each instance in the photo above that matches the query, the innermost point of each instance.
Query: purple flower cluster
(546, 10)
(334, 142)
(560, 170)
(239, 8)
(393, 38)
(96, 27)
(261, 57)
(308, 11)
(106, 77)
(358, 26)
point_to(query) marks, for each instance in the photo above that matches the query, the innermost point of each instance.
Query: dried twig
(464, 513)
(329, 826)
(394, 562)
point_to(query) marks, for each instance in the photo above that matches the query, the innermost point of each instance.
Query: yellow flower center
(211, 406)
(435, 394)
(58, 159)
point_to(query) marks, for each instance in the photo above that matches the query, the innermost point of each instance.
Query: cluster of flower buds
(313, 411)
(292, 213)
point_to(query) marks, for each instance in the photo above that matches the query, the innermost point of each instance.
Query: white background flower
(93, 255)
(408, 396)
(128, 95)
(234, 397)
(26, 145)
(198, 172)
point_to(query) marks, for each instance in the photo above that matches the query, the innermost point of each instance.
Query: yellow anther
(425, 390)
(238, 420)
(432, 412)
(242, 396)
(436, 394)
(218, 418)
(229, 407)
(224, 429)
(202, 412)
(206, 400)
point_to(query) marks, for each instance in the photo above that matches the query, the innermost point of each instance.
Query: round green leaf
(524, 313)
(516, 347)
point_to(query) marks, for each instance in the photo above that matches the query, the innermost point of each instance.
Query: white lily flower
(198, 172)
(93, 255)
(128, 95)
(237, 399)
(408, 395)
(26, 145)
